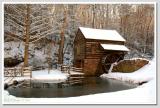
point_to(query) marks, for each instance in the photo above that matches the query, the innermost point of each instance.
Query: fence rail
(69, 69)
(18, 72)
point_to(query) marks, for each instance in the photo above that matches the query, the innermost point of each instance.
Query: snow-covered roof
(114, 47)
(101, 34)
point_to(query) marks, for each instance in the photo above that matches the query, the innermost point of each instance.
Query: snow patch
(114, 47)
(144, 74)
(49, 75)
(13, 49)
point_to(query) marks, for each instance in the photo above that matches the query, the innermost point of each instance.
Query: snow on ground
(145, 74)
(9, 80)
(45, 75)
(38, 55)
(144, 94)
(13, 49)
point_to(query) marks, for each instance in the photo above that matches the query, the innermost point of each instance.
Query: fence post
(14, 70)
(22, 71)
(30, 72)
(69, 70)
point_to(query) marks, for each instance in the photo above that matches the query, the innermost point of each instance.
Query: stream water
(91, 85)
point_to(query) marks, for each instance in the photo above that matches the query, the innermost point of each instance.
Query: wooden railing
(69, 69)
(65, 68)
(13, 72)
(18, 72)
(74, 69)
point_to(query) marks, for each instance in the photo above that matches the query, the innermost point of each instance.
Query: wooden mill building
(96, 49)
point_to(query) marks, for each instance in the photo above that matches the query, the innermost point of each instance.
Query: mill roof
(101, 34)
(114, 47)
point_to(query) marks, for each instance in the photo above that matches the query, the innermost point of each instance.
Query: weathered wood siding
(88, 54)
(93, 50)
(79, 49)
(106, 41)
(92, 67)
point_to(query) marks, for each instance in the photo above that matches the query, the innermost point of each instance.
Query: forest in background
(52, 28)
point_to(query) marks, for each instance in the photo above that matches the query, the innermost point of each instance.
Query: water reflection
(91, 85)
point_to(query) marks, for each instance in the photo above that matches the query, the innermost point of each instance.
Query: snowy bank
(144, 74)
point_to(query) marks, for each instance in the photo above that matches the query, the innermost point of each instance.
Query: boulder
(6, 86)
(11, 62)
(15, 82)
(127, 66)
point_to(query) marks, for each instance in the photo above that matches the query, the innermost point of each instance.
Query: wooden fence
(18, 72)
(70, 69)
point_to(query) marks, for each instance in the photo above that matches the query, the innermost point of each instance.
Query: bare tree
(34, 22)
(29, 24)
(62, 33)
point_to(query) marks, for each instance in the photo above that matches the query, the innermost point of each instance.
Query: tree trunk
(60, 58)
(27, 36)
(93, 19)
